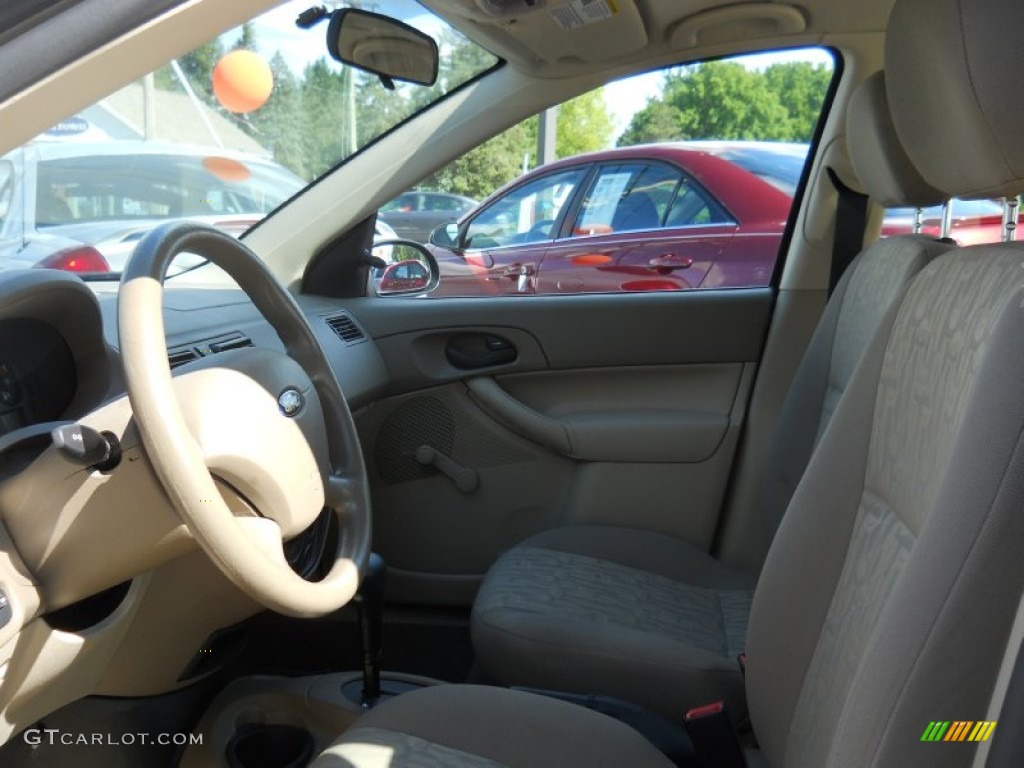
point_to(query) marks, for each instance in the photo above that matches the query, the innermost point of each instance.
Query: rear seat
(653, 619)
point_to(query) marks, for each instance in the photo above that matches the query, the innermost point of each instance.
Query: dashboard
(37, 373)
(95, 566)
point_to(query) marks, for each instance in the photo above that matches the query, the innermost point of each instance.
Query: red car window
(627, 198)
(526, 214)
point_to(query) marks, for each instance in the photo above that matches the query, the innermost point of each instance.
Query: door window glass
(406, 202)
(625, 198)
(6, 188)
(695, 171)
(692, 207)
(443, 203)
(527, 214)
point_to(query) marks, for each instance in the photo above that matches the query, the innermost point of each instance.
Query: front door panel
(618, 409)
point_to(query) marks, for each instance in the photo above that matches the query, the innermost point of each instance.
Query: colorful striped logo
(959, 730)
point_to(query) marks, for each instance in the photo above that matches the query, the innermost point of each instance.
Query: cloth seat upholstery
(593, 610)
(472, 726)
(621, 610)
(889, 592)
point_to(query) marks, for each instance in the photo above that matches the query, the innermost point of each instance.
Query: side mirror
(412, 269)
(446, 236)
(383, 46)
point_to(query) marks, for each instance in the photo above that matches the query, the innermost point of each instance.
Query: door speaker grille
(448, 422)
(419, 421)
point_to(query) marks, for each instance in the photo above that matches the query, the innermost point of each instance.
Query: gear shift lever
(370, 603)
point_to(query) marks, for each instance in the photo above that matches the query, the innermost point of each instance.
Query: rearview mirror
(383, 46)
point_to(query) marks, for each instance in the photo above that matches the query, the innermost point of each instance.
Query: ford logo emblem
(290, 401)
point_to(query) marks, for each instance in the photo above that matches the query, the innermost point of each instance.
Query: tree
(278, 124)
(492, 164)
(657, 121)
(308, 121)
(247, 38)
(322, 106)
(725, 100)
(801, 88)
(584, 125)
(379, 109)
(198, 67)
(460, 61)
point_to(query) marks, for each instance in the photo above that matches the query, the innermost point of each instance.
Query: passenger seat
(653, 619)
(890, 590)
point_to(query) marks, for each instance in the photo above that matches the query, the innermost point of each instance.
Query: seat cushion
(471, 726)
(621, 612)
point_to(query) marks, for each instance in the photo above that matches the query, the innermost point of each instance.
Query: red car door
(502, 245)
(640, 226)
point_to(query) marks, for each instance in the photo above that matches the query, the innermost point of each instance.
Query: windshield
(224, 134)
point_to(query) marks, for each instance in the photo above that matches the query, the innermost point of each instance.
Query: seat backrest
(889, 591)
(864, 300)
(636, 211)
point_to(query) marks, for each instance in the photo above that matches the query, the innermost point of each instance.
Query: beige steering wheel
(329, 465)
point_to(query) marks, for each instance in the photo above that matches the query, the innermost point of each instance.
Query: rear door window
(627, 198)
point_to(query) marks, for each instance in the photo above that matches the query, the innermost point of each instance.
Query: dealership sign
(70, 127)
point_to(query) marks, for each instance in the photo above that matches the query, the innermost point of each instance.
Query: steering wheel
(273, 427)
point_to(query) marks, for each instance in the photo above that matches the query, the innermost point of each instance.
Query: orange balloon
(226, 168)
(242, 81)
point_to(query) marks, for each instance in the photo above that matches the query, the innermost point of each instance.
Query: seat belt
(851, 218)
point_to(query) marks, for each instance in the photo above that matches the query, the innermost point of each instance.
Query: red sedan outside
(655, 217)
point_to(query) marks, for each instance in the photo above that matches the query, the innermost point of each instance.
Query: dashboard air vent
(187, 352)
(231, 341)
(181, 355)
(346, 328)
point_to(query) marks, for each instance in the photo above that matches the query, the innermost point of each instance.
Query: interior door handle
(469, 351)
(668, 262)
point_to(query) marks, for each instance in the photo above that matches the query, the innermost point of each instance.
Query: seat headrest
(953, 70)
(885, 171)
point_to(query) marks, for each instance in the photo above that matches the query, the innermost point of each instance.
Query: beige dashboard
(106, 592)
